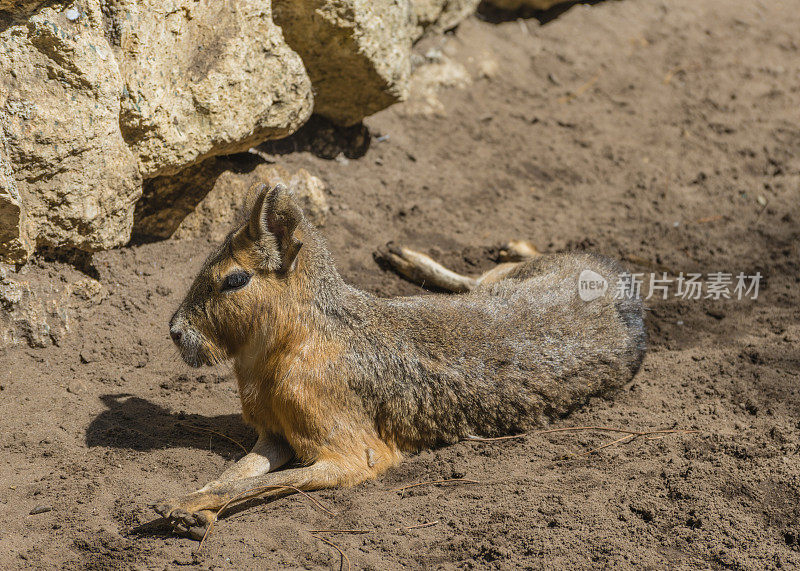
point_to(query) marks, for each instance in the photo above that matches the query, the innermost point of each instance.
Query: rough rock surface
(205, 78)
(75, 179)
(357, 52)
(15, 245)
(38, 312)
(207, 199)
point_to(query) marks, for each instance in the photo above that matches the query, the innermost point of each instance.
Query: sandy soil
(665, 132)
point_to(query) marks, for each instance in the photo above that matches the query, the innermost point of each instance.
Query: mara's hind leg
(424, 271)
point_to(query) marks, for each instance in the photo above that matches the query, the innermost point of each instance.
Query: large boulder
(69, 178)
(92, 101)
(204, 78)
(357, 52)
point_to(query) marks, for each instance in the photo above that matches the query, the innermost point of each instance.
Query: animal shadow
(135, 423)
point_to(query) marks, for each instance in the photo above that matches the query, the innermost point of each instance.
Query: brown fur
(350, 381)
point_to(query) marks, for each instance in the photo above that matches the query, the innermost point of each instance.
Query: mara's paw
(517, 251)
(392, 257)
(188, 522)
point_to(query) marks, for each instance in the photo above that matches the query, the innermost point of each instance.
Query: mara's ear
(273, 221)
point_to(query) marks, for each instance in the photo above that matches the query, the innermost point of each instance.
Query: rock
(222, 206)
(357, 53)
(428, 80)
(90, 101)
(74, 179)
(439, 15)
(207, 200)
(39, 318)
(39, 312)
(204, 78)
(77, 387)
(488, 67)
(517, 4)
(40, 509)
(89, 290)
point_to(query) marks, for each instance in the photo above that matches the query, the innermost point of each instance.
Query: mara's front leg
(191, 514)
(329, 473)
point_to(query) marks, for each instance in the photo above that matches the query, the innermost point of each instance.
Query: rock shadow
(489, 13)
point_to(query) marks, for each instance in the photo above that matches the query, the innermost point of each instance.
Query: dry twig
(580, 90)
(337, 548)
(420, 525)
(253, 493)
(465, 480)
(357, 531)
(630, 435)
(204, 429)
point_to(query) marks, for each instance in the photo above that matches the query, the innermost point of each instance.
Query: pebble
(40, 509)
(72, 14)
(76, 387)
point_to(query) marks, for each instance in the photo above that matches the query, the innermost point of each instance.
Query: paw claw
(184, 522)
(163, 509)
(197, 533)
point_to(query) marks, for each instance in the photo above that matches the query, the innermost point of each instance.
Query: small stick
(578, 92)
(576, 429)
(339, 530)
(254, 492)
(465, 480)
(337, 548)
(630, 436)
(420, 525)
(203, 428)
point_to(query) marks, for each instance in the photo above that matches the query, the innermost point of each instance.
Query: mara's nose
(176, 335)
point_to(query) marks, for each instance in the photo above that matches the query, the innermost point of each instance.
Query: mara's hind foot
(517, 251)
(426, 272)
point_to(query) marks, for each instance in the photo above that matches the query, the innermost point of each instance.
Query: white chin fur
(193, 351)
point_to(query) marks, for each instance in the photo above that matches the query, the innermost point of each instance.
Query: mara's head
(250, 270)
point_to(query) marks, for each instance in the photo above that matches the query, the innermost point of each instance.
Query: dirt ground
(663, 132)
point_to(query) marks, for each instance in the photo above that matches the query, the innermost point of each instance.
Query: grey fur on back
(434, 369)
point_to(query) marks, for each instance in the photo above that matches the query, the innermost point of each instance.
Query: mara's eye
(236, 280)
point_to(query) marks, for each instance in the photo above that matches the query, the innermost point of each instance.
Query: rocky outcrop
(204, 78)
(97, 96)
(92, 102)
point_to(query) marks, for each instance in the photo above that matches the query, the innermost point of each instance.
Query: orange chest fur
(293, 392)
